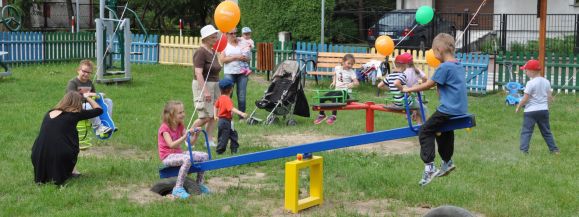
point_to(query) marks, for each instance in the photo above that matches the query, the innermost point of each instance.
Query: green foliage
(300, 17)
(343, 30)
(559, 45)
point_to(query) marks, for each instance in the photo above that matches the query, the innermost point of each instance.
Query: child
(396, 80)
(536, 104)
(246, 44)
(224, 108)
(171, 135)
(413, 77)
(344, 80)
(449, 79)
(83, 84)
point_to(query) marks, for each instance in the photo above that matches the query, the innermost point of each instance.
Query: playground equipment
(513, 87)
(6, 71)
(305, 159)
(106, 34)
(106, 119)
(11, 17)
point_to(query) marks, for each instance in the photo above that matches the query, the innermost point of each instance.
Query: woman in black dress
(55, 150)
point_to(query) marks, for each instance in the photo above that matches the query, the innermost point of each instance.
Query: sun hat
(245, 30)
(534, 65)
(404, 58)
(207, 31)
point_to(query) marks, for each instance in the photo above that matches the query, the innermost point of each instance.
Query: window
(576, 3)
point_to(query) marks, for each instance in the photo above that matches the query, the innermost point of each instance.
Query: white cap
(207, 31)
(245, 30)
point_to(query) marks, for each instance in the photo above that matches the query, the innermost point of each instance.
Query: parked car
(398, 24)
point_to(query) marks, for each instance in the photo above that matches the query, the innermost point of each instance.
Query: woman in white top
(232, 56)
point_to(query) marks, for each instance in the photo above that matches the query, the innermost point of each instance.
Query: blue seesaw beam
(458, 122)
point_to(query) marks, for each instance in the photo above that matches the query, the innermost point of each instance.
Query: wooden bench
(330, 60)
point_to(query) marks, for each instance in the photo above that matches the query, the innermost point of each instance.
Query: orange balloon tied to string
(384, 45)
(431, 59)
(226, 16)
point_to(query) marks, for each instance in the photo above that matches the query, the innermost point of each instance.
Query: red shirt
(224, 107)
(164, 149)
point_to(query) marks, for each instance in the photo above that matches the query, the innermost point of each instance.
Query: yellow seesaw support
(292, 201)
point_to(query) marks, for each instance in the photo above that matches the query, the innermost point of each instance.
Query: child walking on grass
(536, 105)
(344, 80)
(449, 79)
(224, 108)
(171, 136)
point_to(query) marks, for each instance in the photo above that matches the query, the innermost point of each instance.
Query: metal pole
(102, 9)
(77, 18)
(542, 34)
(322, 30)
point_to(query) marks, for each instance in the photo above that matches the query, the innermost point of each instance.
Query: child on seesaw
(536, 106)
(171, 135)
(344, 79)
(449, 78)
(83, 84)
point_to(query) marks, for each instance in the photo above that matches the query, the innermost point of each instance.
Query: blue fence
(476, 67)
(142, 51)
(21, 47)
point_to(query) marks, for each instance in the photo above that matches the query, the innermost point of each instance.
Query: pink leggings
(182, 160)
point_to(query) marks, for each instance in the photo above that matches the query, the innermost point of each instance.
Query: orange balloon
(384, 45)
(431, 59)
(226, 16)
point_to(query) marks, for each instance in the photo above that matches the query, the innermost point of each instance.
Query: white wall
(530, 7)
(412, 4)
(58, 14)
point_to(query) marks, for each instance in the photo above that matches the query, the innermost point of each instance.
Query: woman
(55, 150)
(231, 57)
(206, 70)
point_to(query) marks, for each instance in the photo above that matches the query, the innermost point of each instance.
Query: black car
(398, 24)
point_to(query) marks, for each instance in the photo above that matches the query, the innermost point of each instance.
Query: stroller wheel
(271, 120)
(291, 122)
(253, 121)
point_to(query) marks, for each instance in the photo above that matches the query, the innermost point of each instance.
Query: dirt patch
(387, 207)
(140, 194)
(113, 152)
(401, 146)
(252, 181)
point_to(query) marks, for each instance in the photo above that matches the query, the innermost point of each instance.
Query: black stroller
(284, 97)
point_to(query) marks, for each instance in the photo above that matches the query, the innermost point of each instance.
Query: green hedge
(300, 17)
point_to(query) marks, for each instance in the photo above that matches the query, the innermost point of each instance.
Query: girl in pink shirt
(171, 135)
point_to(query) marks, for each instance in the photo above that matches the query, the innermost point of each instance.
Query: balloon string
(459, 38)
(401, 40)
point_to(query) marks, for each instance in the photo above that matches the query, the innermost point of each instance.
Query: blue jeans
(240, 82)
(541, 118)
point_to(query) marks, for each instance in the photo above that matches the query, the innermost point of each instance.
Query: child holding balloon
(449, 78)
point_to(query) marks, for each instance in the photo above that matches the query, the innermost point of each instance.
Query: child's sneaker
(204, 189)
(180, 192)
(248, 72)
(331, 120)
(212, 144)
(102, 129)
(320, 119)
(445, 168)
(427, 176)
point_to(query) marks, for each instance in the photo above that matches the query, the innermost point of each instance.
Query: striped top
(398, 95)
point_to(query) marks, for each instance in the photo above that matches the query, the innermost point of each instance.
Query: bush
(300, 17)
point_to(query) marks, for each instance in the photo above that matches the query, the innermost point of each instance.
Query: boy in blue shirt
(449, 79)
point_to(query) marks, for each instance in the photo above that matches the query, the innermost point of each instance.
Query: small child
(395, 81)
(171, 135)
(83, 84)
(450, 81)
(344, 80)
(414, 76)
(536, 103)
(246, 44)
(224, 108)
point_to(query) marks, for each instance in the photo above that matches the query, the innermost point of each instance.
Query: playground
(492, 179)
(365, 164)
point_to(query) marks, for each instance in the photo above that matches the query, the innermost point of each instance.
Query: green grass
(492, 178)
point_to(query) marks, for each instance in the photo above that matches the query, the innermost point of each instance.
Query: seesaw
(305, 159)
